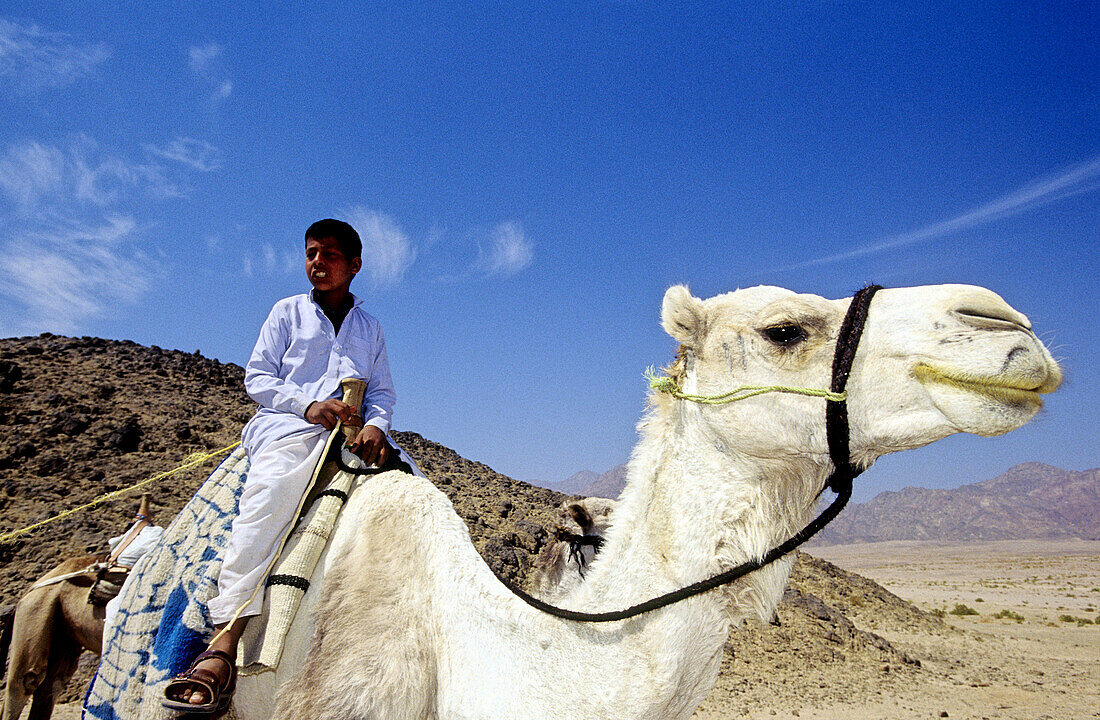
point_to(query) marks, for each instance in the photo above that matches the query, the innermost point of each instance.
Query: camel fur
(408, 623)
(558, 568)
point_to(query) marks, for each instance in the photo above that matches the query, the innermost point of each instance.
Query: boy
(306, 346)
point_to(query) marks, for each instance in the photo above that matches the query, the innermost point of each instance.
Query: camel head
(932, 361)
(587, 516)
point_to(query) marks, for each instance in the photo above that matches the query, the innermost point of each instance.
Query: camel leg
(63, 661)
(32, 636)
(43, 701)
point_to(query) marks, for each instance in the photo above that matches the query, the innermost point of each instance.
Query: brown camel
(51, 627)
(48, 630)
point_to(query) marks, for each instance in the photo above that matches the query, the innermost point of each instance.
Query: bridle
(839, 481)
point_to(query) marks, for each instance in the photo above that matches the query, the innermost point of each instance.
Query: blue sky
(528, 181)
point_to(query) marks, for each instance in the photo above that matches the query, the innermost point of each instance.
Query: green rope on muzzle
(742, 392)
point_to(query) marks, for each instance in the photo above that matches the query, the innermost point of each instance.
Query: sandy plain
(1032, 650)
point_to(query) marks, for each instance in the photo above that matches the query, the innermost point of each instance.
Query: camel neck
(684, 517)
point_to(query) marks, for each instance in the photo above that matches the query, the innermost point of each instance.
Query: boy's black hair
(344, 234)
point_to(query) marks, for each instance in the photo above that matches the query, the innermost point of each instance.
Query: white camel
(405, 621)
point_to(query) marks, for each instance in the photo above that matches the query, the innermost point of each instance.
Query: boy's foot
(204, 688)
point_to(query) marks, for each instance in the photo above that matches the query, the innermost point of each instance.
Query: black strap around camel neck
(840, 482)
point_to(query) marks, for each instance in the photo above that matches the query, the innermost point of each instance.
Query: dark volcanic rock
(10, 373)
(126, 437)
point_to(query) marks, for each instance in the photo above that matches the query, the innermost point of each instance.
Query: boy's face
(327, 267)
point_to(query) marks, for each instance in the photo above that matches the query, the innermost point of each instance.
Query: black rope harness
(840, 482)
(393, 463)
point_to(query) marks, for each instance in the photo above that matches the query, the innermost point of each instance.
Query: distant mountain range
(1031, 500)
(589, 484)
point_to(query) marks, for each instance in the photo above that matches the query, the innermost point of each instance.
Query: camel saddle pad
(162, 623)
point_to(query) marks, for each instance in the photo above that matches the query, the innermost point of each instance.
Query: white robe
(298, 359)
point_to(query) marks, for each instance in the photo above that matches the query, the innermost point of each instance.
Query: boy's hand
(327, 412)
(370, 444)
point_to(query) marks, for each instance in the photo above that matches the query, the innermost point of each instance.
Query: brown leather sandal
(197, 678)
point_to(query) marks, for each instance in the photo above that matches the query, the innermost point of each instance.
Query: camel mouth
(1006, 389)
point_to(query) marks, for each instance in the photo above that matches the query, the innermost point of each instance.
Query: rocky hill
(1030, 500)
(82, 416)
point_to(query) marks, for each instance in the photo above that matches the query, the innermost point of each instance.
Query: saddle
(113, 569)
(107, 585)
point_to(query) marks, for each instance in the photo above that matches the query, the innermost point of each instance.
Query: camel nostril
(989, 315)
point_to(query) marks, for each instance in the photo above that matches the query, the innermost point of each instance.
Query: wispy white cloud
(223, 91)
(201, 58)
(387, 250)
(70, 243)
(195, 154)
(73, 271)
(206, 64)
(267, 261)
(508, 251)
(34, 174)
(33, 59)
(1080, 178)
(31, 171)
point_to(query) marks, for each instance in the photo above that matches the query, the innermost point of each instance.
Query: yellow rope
(667, 384)
(191, 461)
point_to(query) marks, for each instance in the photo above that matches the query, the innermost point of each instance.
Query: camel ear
(683, 316)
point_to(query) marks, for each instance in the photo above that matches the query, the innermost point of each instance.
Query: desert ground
(1031, 651)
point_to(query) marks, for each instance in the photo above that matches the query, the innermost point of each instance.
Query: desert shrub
(961, 609)
(1009, 615)
(938, 612)
(979, 600)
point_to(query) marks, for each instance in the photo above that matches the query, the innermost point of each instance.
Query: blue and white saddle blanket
(162, 621)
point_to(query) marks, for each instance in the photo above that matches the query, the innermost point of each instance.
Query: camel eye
(785, 334)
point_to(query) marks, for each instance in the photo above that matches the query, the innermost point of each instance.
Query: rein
(840, 481)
